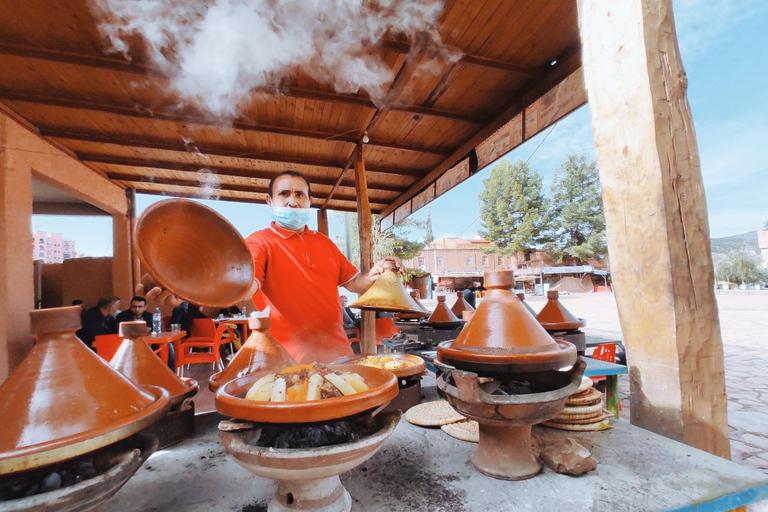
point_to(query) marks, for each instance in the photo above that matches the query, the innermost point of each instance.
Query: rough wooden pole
(322, 221)
(368, 323)
(656, 217)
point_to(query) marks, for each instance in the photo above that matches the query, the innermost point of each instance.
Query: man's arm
(362, 282)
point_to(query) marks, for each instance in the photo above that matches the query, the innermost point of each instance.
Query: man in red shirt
(298, 272)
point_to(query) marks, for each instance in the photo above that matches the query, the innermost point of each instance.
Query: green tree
(512, 207)
(428, 236)
(739, 265)
(578, 222)
(403, 240)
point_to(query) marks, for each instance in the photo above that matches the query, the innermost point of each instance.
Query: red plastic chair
(106, 345)
(385, 328)
(210, 345)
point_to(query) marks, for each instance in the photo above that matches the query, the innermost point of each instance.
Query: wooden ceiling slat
(214, 169)
(199, 120)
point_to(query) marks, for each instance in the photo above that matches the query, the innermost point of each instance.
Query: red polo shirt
(299, 275)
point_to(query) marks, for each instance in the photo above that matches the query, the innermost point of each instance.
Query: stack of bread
(440, 414)
(584, 411)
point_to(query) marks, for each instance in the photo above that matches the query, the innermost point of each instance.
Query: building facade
(51, 248)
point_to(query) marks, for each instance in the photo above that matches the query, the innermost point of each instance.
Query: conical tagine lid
(521, 296)
(138, 362)
(441, 314)
(388, 294)
(501, 331)
(461, 305)
(261, 352)
(195, 253)
(63, 400)
(554, 317)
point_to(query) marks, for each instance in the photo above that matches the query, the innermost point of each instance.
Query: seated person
(349, 318)
(184, 313)
(99, 320)
(231, 311)
(138, 311)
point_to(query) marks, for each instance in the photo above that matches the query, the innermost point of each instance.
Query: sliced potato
(356, 381)
(340, 384)
(278, 391)
(314, 389)
(253, 392)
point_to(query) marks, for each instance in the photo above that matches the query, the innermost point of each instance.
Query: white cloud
(701, 24)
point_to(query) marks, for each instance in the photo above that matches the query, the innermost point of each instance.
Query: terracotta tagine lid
(230, 399)
(441, 314)
(410, 316)
(388, 294)
(502, 332)
(554, 317)
(261, 352)
(137, 361)
(521, 296)
(195, 253)
(63, 400)
(461, 305)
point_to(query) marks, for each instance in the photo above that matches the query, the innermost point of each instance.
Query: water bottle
(157, 322)
(245, 312)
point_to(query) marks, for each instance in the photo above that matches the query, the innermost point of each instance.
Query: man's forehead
(136, 303)
(290, 184)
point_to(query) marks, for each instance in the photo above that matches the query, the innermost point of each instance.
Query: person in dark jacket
(99, 320)
(184, 313)
(138, 311)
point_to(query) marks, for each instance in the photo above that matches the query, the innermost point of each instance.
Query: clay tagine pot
(388, 294)
(442, 316)
(138, 362)
(413, 316)
(502, 332)
(230, 399)
(521, 296)
(63, 400)
(554, 317)
(192, 251)
(461, 305)
(261, 352)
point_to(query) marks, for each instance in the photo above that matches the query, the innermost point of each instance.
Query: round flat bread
(581, 409)
(463, 430)
(586, 383)
(589, 427)
(591, 397)
(433, 414)
(583, 421)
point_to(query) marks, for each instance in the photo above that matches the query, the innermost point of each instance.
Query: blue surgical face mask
(290, 218)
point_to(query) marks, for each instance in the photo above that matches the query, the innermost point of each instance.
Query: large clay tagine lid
(554, 317)
(138, 362)
(63, 400)
(502, 332)
(260, 352)
(388, 294)
(441, 314)
(230, 399)
(195, 253)
(461, 305)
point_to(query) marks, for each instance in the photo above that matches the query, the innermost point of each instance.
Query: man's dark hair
(77, 302)
(139, 298)
(106, 302)
(295, 174)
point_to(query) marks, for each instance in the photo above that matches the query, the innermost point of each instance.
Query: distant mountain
(726, 243)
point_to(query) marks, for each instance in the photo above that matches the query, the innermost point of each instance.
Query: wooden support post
(365, 231)
(322, 221)
(656, 217)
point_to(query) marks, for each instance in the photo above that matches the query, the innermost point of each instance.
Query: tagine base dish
(308, 478)
(121, 460)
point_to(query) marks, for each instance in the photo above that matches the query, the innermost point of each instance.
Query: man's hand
(378, 267)
(156, 296)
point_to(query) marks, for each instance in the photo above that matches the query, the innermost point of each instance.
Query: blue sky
(723, 44)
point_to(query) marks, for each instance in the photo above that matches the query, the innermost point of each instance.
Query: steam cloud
(217, 51)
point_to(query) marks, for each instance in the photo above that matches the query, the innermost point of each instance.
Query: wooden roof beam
(233, 172)
(124, 66)
(143, 113)
(510, 67)
(188, 195)
(132, 179)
